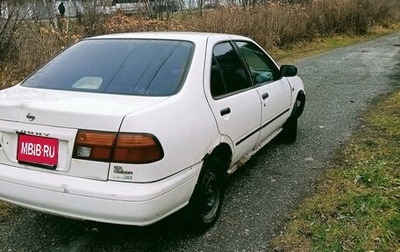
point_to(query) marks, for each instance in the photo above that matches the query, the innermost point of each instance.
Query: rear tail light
(94, 145)
(134, 148)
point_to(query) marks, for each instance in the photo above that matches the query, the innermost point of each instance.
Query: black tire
(205, 205)
(289, 132)
(299, 105)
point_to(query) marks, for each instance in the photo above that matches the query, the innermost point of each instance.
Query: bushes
(278, 25)
(122, 23)
(31, 43)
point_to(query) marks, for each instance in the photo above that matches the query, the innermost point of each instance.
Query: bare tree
(91, 15)
(11, 15)
(163, 8)
(49, 8)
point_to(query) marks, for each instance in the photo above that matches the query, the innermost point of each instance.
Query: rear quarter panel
(183, 124)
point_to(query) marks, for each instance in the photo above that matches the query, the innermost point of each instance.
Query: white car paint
(188, 125)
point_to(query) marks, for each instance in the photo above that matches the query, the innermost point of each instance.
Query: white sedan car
(130, 128)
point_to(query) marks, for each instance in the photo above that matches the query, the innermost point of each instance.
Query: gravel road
(340, 84)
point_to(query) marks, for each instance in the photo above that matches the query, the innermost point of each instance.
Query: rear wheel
(206, 202)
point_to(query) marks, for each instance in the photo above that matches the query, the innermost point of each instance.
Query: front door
(273, 90)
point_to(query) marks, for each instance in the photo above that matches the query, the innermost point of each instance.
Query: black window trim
(279, 77)
(244, 65)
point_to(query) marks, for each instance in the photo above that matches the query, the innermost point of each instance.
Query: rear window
(118, 66)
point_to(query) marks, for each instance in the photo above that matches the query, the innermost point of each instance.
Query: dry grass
(5, 210)
(274, 26)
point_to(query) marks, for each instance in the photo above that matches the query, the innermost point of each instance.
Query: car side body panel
(238, 115)
(183, 124)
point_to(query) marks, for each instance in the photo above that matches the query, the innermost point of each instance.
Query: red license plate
(37, 150)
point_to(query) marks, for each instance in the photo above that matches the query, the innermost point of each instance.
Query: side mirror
(288, 71)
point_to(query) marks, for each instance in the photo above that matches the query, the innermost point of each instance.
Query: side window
(228, 74)
(261, 67)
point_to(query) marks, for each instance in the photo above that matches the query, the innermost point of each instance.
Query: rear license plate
(37, 150)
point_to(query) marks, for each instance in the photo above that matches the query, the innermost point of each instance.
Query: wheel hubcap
(211, 196)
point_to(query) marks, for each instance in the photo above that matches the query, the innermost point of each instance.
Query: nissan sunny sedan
(130, 128)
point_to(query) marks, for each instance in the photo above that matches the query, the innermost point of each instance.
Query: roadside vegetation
(356, 204)
(25, 43)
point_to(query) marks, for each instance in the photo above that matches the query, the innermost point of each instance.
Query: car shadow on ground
(64, 234)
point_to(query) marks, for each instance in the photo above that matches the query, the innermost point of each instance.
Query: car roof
(174, 35)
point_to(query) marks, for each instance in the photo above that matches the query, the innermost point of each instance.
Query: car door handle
(225, 111)
(265, 96)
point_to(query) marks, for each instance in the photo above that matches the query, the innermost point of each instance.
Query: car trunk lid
(68, 109)
(38, 127)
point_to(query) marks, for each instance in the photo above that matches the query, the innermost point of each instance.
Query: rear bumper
(104, 201)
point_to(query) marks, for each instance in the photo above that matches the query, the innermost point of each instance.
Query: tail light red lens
(136, 148)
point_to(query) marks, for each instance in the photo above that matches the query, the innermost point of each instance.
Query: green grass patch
(5, 210)
(356, 206)
(301, 50)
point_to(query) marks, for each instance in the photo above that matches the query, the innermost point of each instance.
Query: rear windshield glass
(136, 67)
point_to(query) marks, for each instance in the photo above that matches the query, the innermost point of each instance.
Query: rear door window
(228, 74)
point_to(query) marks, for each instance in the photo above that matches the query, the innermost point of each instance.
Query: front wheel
(206, 202)
(289, 132)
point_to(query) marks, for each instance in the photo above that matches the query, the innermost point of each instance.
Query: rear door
(234, 101)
